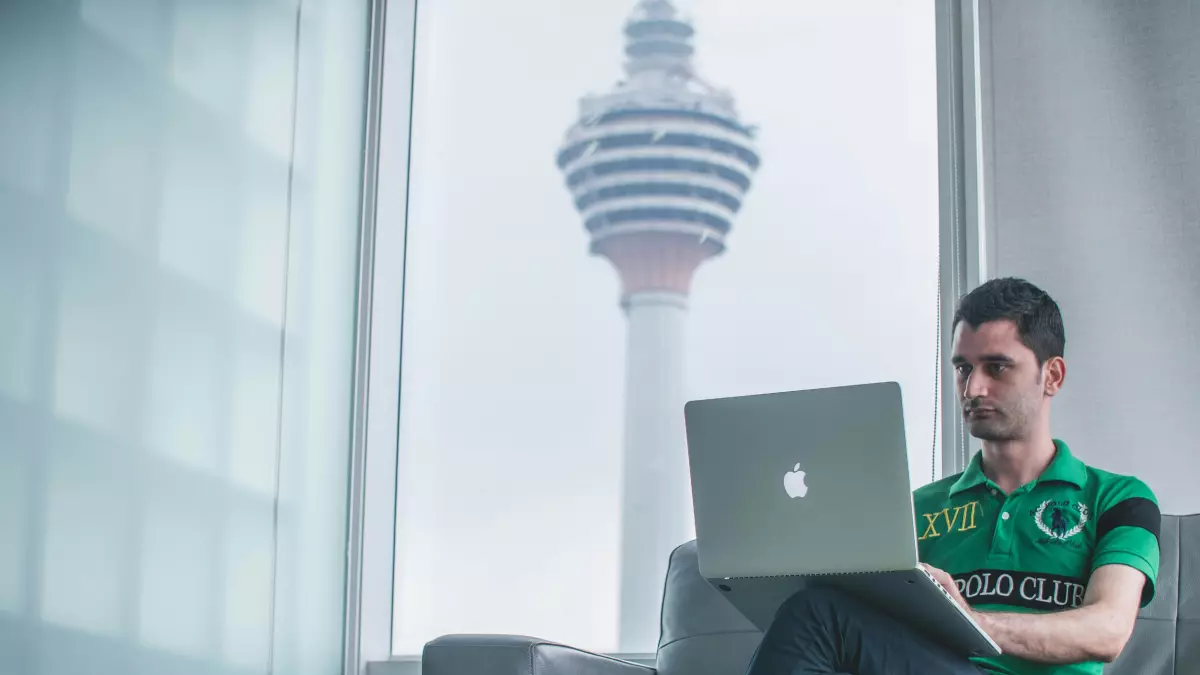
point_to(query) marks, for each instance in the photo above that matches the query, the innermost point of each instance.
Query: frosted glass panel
(198, 235)
(248, 568)
(210, 70)
(179, 556)
(115, 112)
(186, 387)
(254, 431)
(258, 257)
(179, 220)
(87, 546)
(19, 254)
(270, 78)
(102, 312)
(16, 453)
(29, 89)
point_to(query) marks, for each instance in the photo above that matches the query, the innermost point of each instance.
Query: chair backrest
(702, 634)
(1166, 640)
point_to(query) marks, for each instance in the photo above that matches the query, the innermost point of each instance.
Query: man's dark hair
(1039, 323)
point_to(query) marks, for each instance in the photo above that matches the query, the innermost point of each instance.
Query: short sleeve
(1127, 530)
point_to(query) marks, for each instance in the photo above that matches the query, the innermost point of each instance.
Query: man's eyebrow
(986, 358)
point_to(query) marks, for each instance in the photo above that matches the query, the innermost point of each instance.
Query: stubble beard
(1010, 423)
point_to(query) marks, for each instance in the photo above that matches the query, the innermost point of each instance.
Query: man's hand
(947, 582)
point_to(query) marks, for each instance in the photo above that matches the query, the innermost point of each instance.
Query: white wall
(1094, 185)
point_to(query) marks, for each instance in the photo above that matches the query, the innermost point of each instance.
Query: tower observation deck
(658, 168)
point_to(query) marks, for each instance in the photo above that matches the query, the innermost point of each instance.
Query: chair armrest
(517, 655)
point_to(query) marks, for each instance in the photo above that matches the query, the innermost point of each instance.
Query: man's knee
(815, 597)
(816, 608)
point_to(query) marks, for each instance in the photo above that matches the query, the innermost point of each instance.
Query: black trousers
(823, 630)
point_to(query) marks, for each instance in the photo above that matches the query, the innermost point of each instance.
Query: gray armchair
(703, 635)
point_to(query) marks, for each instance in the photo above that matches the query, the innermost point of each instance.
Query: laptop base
(909, 596)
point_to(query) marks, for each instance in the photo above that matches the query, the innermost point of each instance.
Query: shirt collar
(970, 478)
(1064, 467)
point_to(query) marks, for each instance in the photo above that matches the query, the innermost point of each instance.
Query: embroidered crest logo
(1065, 522)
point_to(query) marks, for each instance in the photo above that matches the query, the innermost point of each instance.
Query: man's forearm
(1089, 633)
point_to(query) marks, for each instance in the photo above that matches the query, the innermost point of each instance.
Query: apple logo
(793, 482)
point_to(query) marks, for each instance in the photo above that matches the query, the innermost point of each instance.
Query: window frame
(966, 253)
(965, 258)
(370, 546)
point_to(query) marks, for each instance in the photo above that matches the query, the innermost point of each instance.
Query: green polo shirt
(1035, 549)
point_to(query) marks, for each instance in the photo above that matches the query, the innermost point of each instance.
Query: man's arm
(1097, 630)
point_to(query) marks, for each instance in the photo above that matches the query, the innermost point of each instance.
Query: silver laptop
(804, 487)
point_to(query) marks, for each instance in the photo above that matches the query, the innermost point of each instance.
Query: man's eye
(962, 369)
(997, 368)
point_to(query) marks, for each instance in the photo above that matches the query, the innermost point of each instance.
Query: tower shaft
(655, 514)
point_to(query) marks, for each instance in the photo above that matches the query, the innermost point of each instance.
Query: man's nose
(976, 385)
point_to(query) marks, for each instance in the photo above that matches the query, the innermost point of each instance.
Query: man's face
(1000, 385)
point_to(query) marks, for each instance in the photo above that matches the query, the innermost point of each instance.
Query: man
(1050, 556)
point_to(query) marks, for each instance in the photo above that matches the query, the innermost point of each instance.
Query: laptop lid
(801, 482)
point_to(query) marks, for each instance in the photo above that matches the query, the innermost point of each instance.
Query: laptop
(811, 487)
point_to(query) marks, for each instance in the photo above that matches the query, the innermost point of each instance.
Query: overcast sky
(512, 383)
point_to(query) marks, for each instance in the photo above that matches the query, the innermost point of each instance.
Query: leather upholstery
(702, 634)
(516, 655)
(1151, 650)
(1187, 628)
(700, 631)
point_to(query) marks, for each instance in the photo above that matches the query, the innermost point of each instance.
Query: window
(769, 207)
(179, 226)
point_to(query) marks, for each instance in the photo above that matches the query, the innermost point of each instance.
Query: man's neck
(1011, 464)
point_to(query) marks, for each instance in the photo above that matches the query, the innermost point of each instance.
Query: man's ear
(1054, 373)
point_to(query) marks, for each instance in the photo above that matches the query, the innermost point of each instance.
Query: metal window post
(964, 170)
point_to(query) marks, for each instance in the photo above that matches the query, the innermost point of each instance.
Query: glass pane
(319, 357)
(757, 185)
(179, 221)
